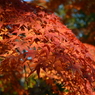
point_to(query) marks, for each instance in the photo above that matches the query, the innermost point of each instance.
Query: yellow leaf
(1, 38)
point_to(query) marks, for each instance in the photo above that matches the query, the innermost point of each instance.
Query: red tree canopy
(34, 37)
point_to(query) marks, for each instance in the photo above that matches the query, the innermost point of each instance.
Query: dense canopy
(34, 38)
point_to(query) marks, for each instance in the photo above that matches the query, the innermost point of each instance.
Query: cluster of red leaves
(35, 38)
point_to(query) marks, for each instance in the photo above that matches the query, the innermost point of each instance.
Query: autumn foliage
(33, 38)
(77, 15)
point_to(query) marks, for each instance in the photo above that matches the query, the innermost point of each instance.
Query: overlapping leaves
(36, 39)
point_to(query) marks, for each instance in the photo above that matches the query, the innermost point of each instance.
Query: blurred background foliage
(36, 86)
(78, 15)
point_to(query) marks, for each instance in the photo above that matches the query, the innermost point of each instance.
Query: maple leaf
(45, 50)
(30, 54)
(1, 24)
(20, 45)
(88, 86)
(76, 68)
(58, 66)
(91, 50)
